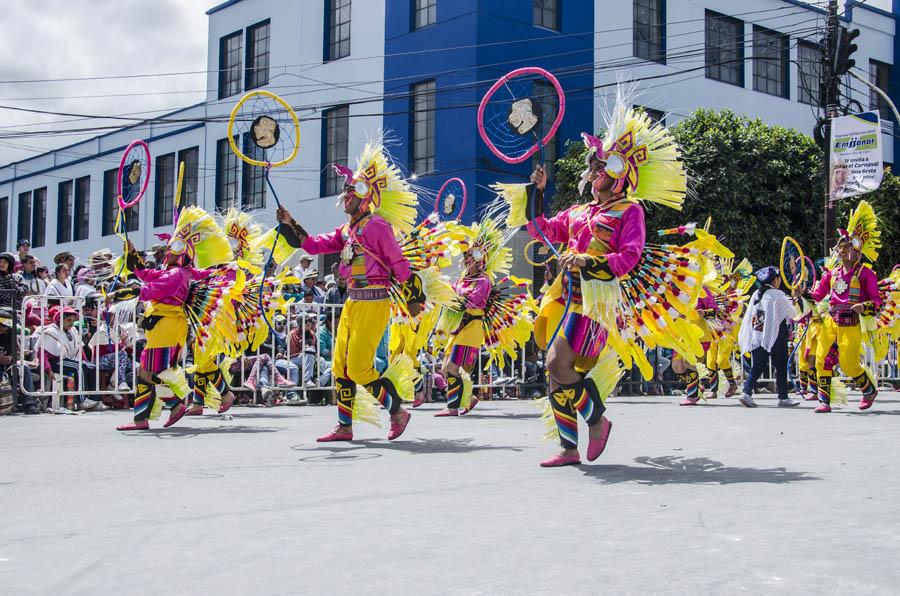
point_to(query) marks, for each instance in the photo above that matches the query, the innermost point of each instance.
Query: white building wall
(297, 73)
(680, 94)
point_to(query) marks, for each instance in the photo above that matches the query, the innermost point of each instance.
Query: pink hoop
(122, 163)
(502, 81)
(440, 194)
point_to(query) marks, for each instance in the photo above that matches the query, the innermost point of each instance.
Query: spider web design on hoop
(265, 131)
(520, 114)
(793, 264)
(135, 172)
(450, 202)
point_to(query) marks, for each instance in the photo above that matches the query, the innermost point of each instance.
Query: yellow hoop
(284, 104)
(527, 252)
(788, 241)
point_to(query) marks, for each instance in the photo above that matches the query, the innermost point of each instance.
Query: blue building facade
(490, 38)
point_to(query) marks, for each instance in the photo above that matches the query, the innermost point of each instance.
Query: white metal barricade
(72, 360)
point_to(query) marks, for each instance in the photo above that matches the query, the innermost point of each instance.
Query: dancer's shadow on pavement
(673, 469)
(239, 415)
(179, 432)
(505, 416)
(416, 446)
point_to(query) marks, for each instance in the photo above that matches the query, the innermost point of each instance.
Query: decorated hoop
(268, 128)
(450, 202)
(134, 174)
(513, 115)
(793, 264)
(809, 284)
(538, 254)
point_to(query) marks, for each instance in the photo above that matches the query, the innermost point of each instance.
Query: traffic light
(844, 49)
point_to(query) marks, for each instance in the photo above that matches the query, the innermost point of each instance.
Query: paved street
(707, 500)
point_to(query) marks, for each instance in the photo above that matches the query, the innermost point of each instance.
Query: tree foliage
(757, 181)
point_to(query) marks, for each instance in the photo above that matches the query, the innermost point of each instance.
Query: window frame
(253, 178)
(876, 102)
(4, 223)
(660, 26)
(65, 203)
(331, 120)
(24, 215)
(539, 19)
(816, 91)
(334, 44)
(418, 7)
(226, 76)
(252, 78)
(81, 210)
(39, 217)
(762, 81)
(189, 191)
(429, 96)
(164, 190)
(720, 65)
(225, 158)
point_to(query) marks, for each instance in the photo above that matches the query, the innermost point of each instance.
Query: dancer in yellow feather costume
(614, 290)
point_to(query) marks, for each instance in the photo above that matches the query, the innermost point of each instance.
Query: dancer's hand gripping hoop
(269, 132)
(517, 117)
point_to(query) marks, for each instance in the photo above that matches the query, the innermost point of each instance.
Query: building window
(724, 49)
(111, 207)
(879, 75)
(257, 74)
(548, 101)
(338, 29)
(64, 212)
(226, 176)
(24, 217)
(39, 218)
(809, 67)
(657, 116)
(546, 14)
(335, 138)
(83, 206)
(253, 194)
(230, 65)
(164, 199)
(191, 160)
(4, 222)
(648, 30)
(770, 62)
(424, 13)
(423, 120)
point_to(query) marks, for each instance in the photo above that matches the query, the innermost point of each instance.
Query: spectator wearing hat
(28, 276)
(336, 292)
(67, 258)
(304, 267)
(58, 346)
(101, 262)
(764, 333)
(11, 291)
(309, 285)
(24, 248)
(60, 286)
(85, 282)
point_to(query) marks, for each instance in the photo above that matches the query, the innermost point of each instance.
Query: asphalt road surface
(716, 499)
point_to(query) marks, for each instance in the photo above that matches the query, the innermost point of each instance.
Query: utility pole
(837, 49)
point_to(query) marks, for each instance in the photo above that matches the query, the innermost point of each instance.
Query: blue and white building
(418, 68)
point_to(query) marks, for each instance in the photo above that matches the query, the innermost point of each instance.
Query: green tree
(758, 182)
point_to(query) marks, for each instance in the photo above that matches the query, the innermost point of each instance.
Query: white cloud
(50, 39)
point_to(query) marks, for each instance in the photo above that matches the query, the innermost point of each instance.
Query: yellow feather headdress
(243, 234)
(862, 231)
(197, 235)
(382, 187)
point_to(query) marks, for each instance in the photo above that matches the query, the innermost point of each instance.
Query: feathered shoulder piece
(862, 231)
(199, 236)
(243, 235)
